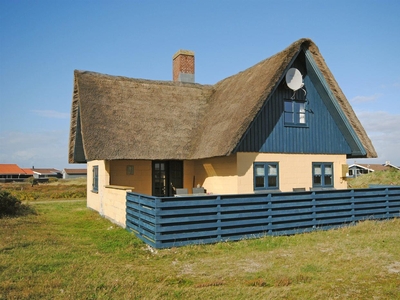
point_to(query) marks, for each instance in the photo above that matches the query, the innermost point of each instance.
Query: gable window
(95, 179)
(295, 112)
(322, 175)
(266, 176)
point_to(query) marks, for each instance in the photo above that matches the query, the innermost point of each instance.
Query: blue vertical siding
(322, 135)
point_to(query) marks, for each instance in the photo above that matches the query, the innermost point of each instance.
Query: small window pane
(317, 180)
(328, 170)
(288, 106)
(129, 170)
(328, 180)
(317, 170)
(272, 181)
(302, 118)
(272, 170)
(288, 117)
(259, 181)
(260, 171)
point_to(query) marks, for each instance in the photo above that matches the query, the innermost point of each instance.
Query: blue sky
(43, 42)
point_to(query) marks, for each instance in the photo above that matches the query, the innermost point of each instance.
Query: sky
(43, 42)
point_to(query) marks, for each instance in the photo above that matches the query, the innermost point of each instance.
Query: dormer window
(295, 112)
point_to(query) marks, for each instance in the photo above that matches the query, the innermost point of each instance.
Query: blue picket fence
(176, 221)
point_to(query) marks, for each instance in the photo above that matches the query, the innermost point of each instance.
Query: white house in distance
(74, 173)
(45, 173)
(356, 170)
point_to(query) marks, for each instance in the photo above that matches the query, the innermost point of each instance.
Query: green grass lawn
(67, 251)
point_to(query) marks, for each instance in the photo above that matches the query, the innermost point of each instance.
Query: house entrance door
(167, 176)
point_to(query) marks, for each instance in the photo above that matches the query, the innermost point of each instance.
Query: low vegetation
(390, 177)
(10, 206)
(69, 252)
(66, 251)
(54, 189)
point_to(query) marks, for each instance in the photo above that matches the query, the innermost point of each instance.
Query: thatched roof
(125, 118)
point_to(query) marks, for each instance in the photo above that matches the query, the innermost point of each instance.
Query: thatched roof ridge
(125, 118)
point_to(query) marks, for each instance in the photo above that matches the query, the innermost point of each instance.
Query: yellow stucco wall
(217, 175)
(234, 174)
(108, 201)
(94, 199)
(140, 180)
(295, 170)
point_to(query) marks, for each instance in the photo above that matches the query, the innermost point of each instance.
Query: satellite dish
(294, 79)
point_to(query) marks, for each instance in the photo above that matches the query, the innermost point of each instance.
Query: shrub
(12, 206)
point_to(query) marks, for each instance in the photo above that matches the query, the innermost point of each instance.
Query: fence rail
(177, 221)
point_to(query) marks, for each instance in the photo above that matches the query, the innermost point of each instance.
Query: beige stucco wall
(94, 199)
(295, 170)
(140, 181)
(234, 174)
(109, 201)
(217, 175)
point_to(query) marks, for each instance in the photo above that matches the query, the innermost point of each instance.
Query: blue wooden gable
(326, 130)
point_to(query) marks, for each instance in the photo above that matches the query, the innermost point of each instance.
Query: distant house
(248, 133)
(45, 173)
(356, 170)
(74, 173)
(12, 172)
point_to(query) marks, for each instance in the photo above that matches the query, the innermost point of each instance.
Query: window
(266, 176)
(95, 179)
(129, 170)
(295, 112)
(322, 175)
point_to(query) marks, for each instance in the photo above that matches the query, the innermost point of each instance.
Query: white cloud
(383, 128)
(51, 114)
(362, 99)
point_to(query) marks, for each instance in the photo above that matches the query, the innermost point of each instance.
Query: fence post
(269, 206)
(314, 212)
(387, 202)
(353, 214)
(219, 230)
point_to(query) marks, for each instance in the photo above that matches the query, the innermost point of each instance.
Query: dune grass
(390, 177)
(55, 189)
(67, 251)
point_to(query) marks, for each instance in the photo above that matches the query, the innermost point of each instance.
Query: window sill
(296, 125)
(267, 191)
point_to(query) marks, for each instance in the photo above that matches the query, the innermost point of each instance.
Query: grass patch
(389, 177)
(56, 189)
(67, 251)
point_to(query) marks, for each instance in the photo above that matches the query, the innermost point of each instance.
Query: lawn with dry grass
(55, 189)
(67, 251)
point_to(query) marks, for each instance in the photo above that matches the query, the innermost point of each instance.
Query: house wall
(109, 200)
(234, 174)
(217, 175)
(140, 180)
(295, 170)
(95, 199)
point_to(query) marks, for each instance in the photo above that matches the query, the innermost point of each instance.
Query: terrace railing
(177, 221)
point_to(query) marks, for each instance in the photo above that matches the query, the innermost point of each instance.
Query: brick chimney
(183, 66)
